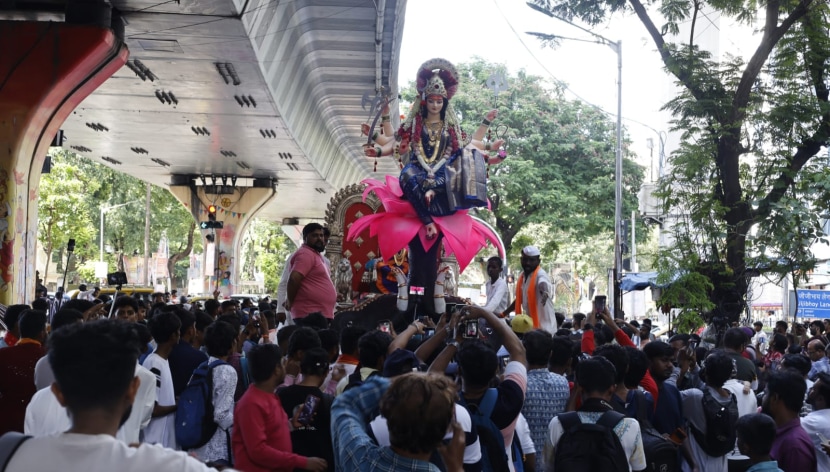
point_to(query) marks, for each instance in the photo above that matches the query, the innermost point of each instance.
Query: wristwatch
(453, 343)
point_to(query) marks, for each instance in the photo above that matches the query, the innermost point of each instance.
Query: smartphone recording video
(385, 326)
(429, 332)
(600, 303)
(470, 329)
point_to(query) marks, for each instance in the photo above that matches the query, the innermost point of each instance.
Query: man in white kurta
(534, 283)
(496, 287)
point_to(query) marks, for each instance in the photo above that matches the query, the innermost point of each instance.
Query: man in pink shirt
(310, 287)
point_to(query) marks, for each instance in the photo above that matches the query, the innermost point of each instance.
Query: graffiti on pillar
(223, 275)
(6, 234)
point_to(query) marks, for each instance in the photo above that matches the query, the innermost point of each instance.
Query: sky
(458, 30)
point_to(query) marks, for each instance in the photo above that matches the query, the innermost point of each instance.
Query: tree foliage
(560, 167)
(265, 248)
(746, 188)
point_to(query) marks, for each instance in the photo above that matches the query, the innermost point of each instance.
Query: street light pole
(615, 46)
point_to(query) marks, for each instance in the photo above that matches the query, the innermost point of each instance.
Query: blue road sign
(813, 304)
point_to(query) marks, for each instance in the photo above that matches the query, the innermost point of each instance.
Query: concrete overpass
(264, 96)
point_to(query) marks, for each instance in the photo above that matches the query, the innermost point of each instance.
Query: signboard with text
(811, 303)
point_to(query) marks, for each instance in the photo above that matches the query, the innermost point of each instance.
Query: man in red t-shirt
(310, 287)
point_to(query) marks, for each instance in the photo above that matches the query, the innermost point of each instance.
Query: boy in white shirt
(165, 330)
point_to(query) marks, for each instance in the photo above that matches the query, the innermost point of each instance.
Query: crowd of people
(115, 383)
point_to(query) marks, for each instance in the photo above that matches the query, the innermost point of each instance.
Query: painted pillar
(46, 70)
(235, 211)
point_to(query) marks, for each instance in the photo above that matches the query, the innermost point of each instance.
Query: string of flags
(233, 214)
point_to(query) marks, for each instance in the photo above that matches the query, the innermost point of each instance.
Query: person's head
(66, 317)
(32, 325)
(538, 345)
(157, 297)
(719, 368)
(315, 363)
(330, 343)
(616, 355)
(419, 409)
(166, 297)
(637, 367)
(82, 288)
(436, 104)
(826, 324)
(494, 267)
(12, 317)
(758, 326)
(212, 308)
(372, 347)
(679, 342)
(188, 329)
(660, 356)
(40, 304)
(781, 327)
(756, 433)
(94, 367)
(735, 339)
(165, 328)
(815, 350)
(530, 259)
(314, 236)
(349, 337)
(315, 321)
(819, 394)
(265, 364)
(284, 335)
(596, 377)
(561, 355)
(816, 328)
(645, 331)
(203, 320)
(220, 338)
(796, 362)
(229, 307)
(477, 363)
(125, 309)
(779, 343)
(784, 394)
(579, 319)
(302, 340)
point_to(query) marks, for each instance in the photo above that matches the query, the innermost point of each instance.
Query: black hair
(65, 318)
(187, 318)
(561, 350)
(579, 317)
(219, 338)
(477, 362)
(13, 313)
(373, 346)
(818, 324)
(310, 228)
(797, 362)
(758, 323)
(683, 337)
(734, 338)
(719, 367)
(789, 386)
(757, 431)
(822, 387)
(40, 304)
(315, 321)
(328, 339)
(603, 334)
(263, 359)
(563, 330)
(163, 326)
(203, 320)
(618, 358)
(94, 363)
(228, 303)
(779, 343)
(315, 362)
(211, 306)
(302, 340)
(656, 349)
(233, 321)
(637, 367)
(538, 345)
(782, 323)
(32, 323)
(78, 304)
(124, 300)
(144, 335)
(349, 337)
(497, 259)
(285, 333)
(595, 375)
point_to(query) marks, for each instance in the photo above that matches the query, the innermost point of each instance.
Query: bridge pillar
(46, 70)
(222, 247)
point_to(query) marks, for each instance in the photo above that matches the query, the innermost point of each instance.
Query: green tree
(560, 166)
(59, 219)
(746, 181)
(265, 248)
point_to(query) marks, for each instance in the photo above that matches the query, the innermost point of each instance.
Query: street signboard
(811, 303)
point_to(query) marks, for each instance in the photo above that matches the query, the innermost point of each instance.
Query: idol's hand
(364, 129)
(429, 196)
(491, 115)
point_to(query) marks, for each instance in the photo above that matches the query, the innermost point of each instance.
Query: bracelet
(378, 150)
(485, 122)
(487, 146)
(453, 343)
(385, 118)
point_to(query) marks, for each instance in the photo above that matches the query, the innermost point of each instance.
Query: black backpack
(493, 454)
(661, 453)
(589, 447)
(720, 435)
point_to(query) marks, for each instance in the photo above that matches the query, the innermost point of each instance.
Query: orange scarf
(531, 297)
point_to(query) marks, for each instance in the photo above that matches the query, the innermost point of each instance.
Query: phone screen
(385, 326)
(471, 329)
(599, 303)
(429, 332)
(306, 415)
